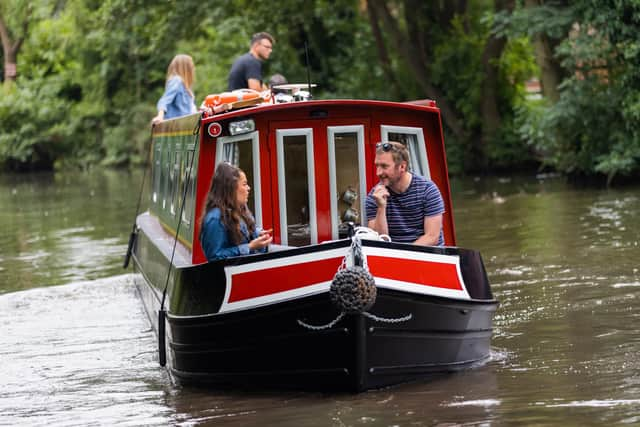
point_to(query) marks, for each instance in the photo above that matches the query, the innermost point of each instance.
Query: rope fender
(353, 289)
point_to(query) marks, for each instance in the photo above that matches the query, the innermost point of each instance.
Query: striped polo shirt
(406, 211)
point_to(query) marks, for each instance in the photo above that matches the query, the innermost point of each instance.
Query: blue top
(406, 211)
(176, 100)
(216, 242)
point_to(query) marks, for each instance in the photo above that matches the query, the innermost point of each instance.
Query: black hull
(271, 346)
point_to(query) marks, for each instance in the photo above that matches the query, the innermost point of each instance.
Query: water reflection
(60, 228)
(79, 354)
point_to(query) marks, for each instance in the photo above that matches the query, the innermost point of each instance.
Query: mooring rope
(162, 356)
(134, 232)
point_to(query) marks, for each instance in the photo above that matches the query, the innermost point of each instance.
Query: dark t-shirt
(244, 68)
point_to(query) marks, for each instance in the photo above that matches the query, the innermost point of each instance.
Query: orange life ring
(230, 97)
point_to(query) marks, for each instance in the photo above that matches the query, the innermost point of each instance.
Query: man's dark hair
(261, 36)
(275, 80)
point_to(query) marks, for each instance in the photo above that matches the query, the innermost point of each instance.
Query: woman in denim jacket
(227, 227)
(177, 99)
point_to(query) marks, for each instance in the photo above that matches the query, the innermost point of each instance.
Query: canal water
(76, 348)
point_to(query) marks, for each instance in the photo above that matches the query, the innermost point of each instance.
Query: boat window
(243, 151)
(296, 187)
(346, 166)
(413, 139)
(157, 160)
(164, 175)
(188, 178)
(174, 182)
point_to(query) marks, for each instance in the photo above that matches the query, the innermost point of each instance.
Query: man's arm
(379, 223)
(256, 85)
(432, 227)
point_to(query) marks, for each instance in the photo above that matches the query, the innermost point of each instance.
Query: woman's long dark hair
(223, 195)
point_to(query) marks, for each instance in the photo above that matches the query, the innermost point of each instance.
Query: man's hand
(380, 195)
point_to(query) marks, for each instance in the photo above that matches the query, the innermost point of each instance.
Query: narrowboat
(275, 320)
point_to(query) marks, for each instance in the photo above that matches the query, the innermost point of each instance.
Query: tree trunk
(407, 49)
(491, 118)
(550, 69)
(11, 48)
(383, 55)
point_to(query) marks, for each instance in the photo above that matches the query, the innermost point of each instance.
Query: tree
(489, 110)
(12, 39)
(589, 61)
(452, 53)
(547, 23)
(412, 40)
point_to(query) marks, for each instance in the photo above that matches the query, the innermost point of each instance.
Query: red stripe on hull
(435, 274)
(269, 281)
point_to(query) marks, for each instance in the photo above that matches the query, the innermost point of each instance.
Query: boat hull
(293, 341)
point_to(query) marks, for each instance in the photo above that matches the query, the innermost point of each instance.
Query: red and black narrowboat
(270, 320)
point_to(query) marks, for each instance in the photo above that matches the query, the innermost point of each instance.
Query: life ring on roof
(235, 96)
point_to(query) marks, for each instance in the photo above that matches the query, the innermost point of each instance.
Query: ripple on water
(609, 403)
(67, 256)
(626, 285)
(79, 354)
(485, 403)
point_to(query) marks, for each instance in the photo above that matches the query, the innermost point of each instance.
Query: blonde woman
(177, 99)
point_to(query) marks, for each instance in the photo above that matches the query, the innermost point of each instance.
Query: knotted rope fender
(353, 289)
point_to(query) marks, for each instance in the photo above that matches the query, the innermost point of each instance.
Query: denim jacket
(176, 100)
(216, 242)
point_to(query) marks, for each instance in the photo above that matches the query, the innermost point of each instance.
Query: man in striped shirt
(406, 206)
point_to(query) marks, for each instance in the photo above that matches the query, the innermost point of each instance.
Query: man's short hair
(398, 151)
(261, 36)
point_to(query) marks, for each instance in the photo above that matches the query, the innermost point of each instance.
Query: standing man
(405, 206)
(246, 71)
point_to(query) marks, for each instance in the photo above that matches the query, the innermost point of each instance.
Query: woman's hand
(158, 118)
(263, 240)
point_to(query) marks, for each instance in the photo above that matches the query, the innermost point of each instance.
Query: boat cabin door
(319, 179)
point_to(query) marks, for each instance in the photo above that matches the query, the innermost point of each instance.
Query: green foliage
(108, 60)
(507, 149)
(90, 73)
(551, 19)
(459, 56)
(594, 128)
(457, 70)
(33, 114)
(33, 133)
(128, 142)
